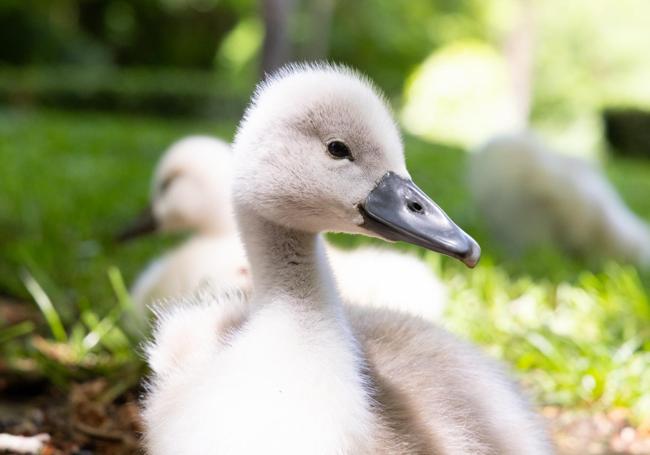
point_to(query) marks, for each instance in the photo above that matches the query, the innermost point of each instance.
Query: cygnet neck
(286, 264)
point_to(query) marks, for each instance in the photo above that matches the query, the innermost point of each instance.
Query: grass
(92, 346)
(70, 181)
(582, 343)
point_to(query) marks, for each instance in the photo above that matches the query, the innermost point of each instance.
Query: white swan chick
(531, 196)
(186, 198)
(293, 371)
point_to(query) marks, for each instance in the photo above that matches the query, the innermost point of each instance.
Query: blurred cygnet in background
(382, 277)
(191, 192)
(531, 196)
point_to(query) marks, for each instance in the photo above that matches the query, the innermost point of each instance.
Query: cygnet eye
(339, 150)
(166, 183)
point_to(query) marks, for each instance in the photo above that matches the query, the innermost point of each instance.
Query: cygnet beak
(396, 209)
(145, 223)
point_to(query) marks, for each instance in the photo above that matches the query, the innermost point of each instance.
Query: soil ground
(81, 422)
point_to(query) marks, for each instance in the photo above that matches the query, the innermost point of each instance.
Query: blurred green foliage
(459, 95)
(588, 57)
(116, 32)
(383, 38)
(584, 57)
(163, 91)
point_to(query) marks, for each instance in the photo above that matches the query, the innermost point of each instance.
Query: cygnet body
(291, 370)
(185, 198)
(531, 196)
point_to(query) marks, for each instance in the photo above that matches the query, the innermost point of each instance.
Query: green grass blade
(121, 292)
(99, 328)
(132, 329)
(45, 305)
(16, 330)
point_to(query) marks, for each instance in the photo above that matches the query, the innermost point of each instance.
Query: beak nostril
(415, 207)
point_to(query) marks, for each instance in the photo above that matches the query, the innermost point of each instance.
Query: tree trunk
(277, 45)
(320, 12)
(520, 54)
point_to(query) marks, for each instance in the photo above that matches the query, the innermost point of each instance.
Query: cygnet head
(190, 190)
(318, 150)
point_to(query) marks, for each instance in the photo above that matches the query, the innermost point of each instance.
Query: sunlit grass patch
(89, 345)
(573, 344)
